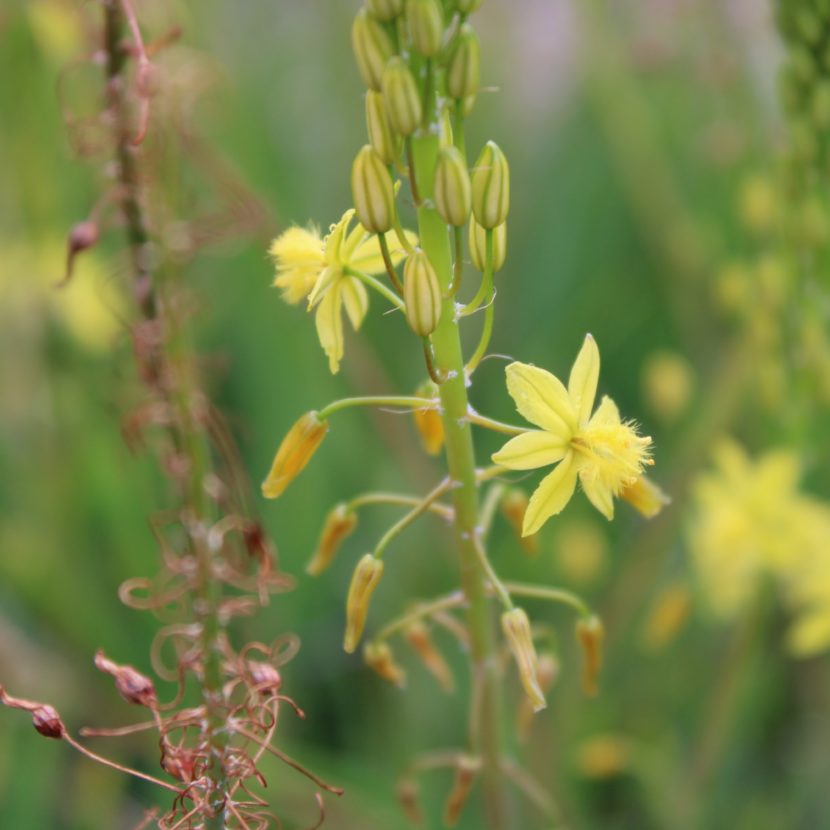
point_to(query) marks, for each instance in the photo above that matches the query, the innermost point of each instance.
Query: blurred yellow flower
(604, 452)
(310, 266)
(668, 384)
(752, 522)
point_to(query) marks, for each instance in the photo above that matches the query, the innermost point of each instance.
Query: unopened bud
(418, 636)
(478, 245)
(421, 294)
(645, 496)
(339, 524)
(426, 25)
(428, 420)
(466, 771)
(464, 68)
(379, 657)
(408, 796)
(47, 721)
(379, 128)
(401, 96)
(373, 191)
(133, 686)
(372, 48)
(82, 237)
(265, 677)
(385, 10)
(516, 628)
(514, 506)
(468, 6)
(452, 192)
(590, 634)
(294, 453)
(365, 579)
(547, 673)
(491, 187)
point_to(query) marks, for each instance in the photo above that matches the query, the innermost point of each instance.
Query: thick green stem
(486, 724)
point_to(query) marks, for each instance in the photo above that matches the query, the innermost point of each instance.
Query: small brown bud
(516, 628)
(294, 453)
(379, 657)
(590, 634)
(418, 636)
(365, 579)
(133, 686)
(82, 237)
(265, 677)
(48, 722)
(372, 48)
(339, 524)
(466, 770)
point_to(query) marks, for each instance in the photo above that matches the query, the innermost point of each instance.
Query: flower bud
(379, 128)
(590, 634)
(47, 722)
(372, 48)
(428, 420)
(418, 636)
(401, 96)
(339, 524)
(373, 191)
(365, 579)
(645, 496)
(133, 686)
(421, 294)
(385, 10)
(452, 192)
(379, 657)
(294, 453)
(466, 770)
(468, 6)
(547, 674)
(516, 628)
(464, 67)
(514, 506)
(491, 187)
(426, 25)
(478, 245)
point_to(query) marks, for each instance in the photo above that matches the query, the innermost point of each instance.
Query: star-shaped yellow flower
(604, 452)
(317, 268)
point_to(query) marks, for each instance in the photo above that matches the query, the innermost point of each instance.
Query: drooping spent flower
(604, 452)
(295, 451)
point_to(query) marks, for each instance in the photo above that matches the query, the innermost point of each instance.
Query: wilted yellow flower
(379, 657)
(365, 579)
(313, 267)
(645, 496)
(604, 452)
(428, 420)
(516, 628)
(590, 634)
(295, 451)
(751, 521)
(340, 522)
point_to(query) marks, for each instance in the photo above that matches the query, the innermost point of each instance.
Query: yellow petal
(334, 241)
(355, 300)
(810, 634)
(551, 496)
(599, 494)
(368, 258)
(606, 414)
(328, 277)
(530, 450)
(330, 327)
(294, 453)
(541, 399)
(645, 496)
(582, 384)
(298, 256)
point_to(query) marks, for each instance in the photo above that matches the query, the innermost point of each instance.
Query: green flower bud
(421, 294)
(464, 68)
(468, 6)
(372, 48)
(478, 243)
(372, 191)
(491, 187)
(385, 10)
(401, 96)
(452, 192)
(381, 135)
(426, 25)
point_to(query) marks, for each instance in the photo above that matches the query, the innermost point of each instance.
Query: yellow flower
(604, 452)
(310, 266)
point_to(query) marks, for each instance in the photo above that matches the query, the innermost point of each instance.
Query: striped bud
(516, 628)
(379, 658)
(421, 294)
(468, 6)
(590, 634)
(294, 453)
(339, 524)
(379, 128)
(452, 192)
(372, 48)
(372, 191)
(464, 68)
(491, 187)
(365, 579)
(385, 10)
(401, 96)
(478, 245)
(426, 25)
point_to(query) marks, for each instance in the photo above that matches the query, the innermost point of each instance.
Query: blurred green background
(632, 129)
